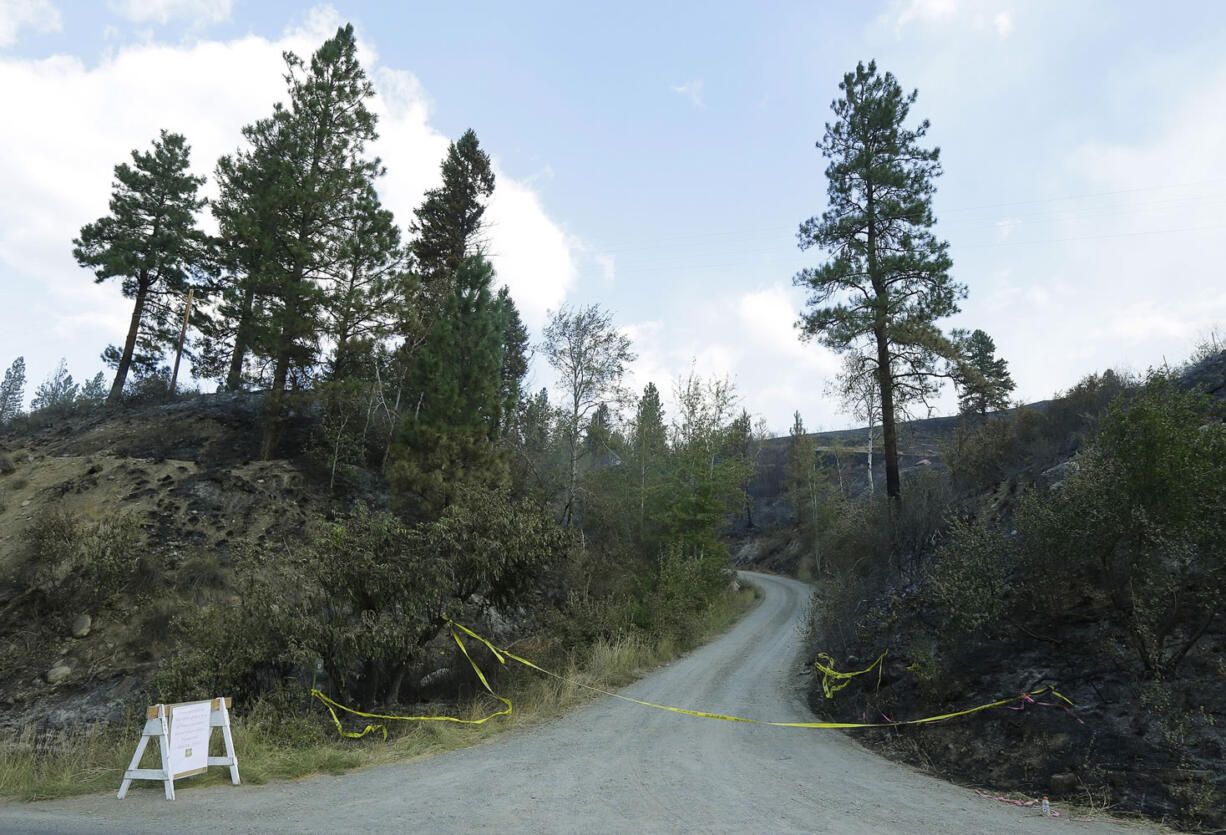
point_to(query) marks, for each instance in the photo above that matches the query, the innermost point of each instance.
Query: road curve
(610, 766)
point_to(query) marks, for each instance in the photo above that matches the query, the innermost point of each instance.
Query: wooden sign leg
(164, 744)
(132, 766)
(221, 719)
(156, 725)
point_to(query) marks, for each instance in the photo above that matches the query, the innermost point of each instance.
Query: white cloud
(1005, 227)
(1003, 22)
(530, 252)
(691, 90)
(748, 337)
(40, 15)
(978, 17)
(56, 166)
(608, 266)
(1144, 321)
(1149, 244)
(924, 11)
(195, 12)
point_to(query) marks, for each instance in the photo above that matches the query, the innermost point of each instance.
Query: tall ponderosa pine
(13, 390)
(888, 276)
(151, 242)
(245, 210)
(983, 380)
(300, 188)
(367, 288)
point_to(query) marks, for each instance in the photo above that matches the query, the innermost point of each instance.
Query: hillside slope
(980, 623)
(180, 487)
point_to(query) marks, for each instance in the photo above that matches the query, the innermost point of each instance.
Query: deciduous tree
(590, 356)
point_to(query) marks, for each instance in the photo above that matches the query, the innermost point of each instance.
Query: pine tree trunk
(242, 335)
(273, 417)
(129, 345)
(885, 375)
(889, 437)
(870, 453)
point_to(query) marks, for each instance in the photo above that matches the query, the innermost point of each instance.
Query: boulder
(81, 625)
(58, 673)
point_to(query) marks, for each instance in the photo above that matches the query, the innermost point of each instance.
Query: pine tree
(447, 226)
(705, 473)
(983, 380)
(800, 473)
(456, 380)
(57, 394)
(649, 451)
(367, 285)
(13, 391)
(446, 229)
(150, 241)
(888, 276)
(804, 485)
(289, 207)
(534, 463)
(93, 393)
(246, 214)
(515, 350)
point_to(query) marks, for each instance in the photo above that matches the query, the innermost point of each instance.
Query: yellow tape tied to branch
(833, 681)
(501, 655)
(334, 706)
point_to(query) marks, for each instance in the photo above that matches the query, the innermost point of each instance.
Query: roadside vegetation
(370, 467)
(1078, 544)
(277, 740)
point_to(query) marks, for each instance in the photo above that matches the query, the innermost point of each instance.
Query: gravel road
(609, 767)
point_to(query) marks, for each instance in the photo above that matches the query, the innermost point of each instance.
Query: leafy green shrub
(229, 646)
(969, 575)
(986, 451)
(363, 599)
(1078, 409)
(1142, 520)
(77, 563)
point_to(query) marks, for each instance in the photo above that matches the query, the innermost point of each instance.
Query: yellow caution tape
(833, 681)
(502, 655)
(334, 706)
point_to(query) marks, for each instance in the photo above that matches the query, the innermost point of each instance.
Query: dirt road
(609, 767)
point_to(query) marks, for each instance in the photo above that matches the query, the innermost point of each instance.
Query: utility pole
(187, 313)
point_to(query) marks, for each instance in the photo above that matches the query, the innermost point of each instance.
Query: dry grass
(276, 743)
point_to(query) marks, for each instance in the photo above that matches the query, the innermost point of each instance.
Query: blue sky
(657, 159)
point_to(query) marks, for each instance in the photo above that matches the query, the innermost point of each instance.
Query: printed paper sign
(189, 738)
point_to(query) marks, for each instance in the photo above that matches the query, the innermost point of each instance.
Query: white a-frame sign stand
(182, 732)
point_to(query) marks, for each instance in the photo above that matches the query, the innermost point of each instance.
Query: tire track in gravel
(610, 767)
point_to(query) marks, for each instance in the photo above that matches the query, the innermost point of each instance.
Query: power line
(770, 232)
